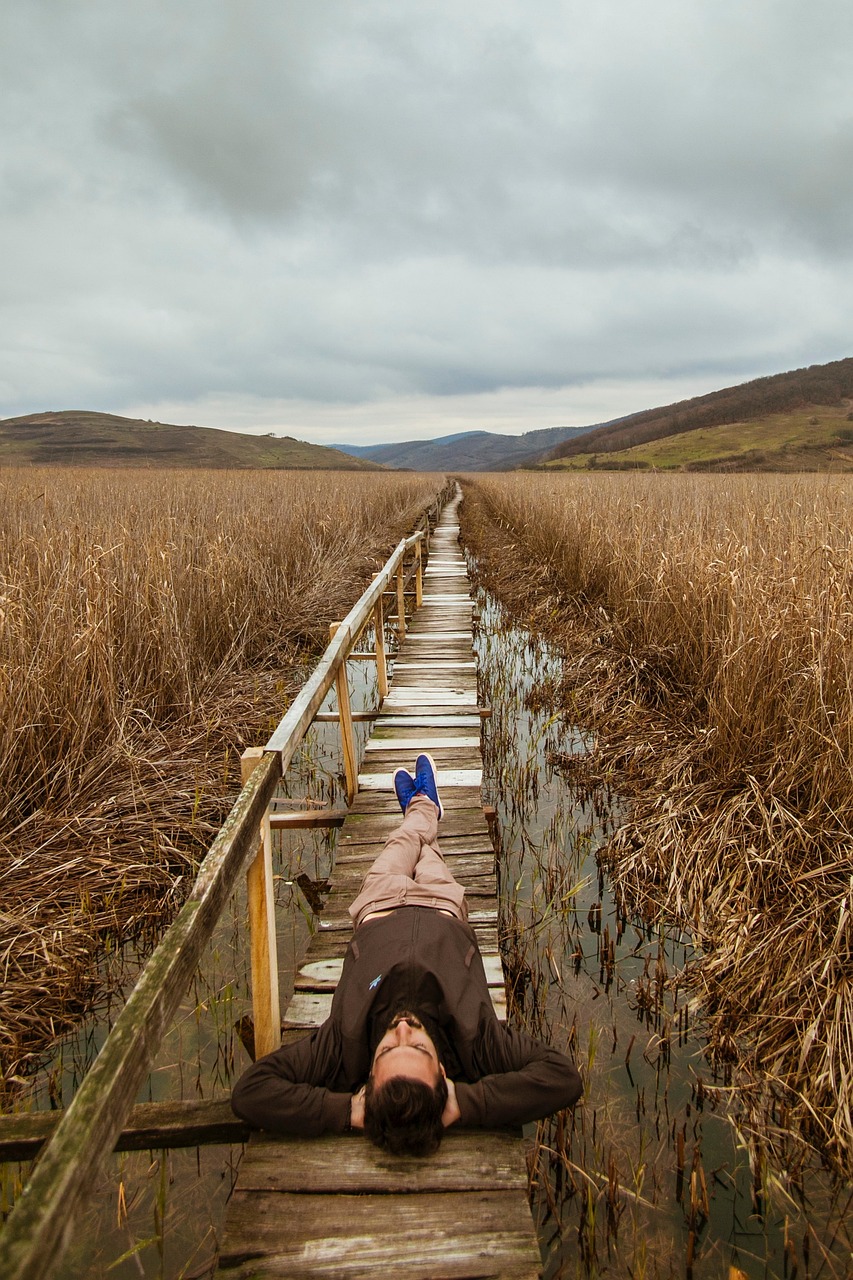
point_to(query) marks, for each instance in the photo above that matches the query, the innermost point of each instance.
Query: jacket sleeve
(285, 1091)
(523, 1079)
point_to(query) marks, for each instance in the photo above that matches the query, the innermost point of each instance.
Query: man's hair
(403, 1116)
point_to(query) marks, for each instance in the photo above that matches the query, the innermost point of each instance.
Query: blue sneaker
(404, 787)
(425, 780)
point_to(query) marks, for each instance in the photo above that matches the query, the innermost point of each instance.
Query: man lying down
(412, 1044)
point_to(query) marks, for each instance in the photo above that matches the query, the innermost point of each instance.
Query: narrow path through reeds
(707, 631)
(151, 625)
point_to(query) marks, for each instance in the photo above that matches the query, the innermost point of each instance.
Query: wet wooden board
(482, 1233)
(315, 1165)
(336, 1206)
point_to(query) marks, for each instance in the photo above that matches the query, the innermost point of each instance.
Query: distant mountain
(466, 450)
(80, 438)
(795, 420)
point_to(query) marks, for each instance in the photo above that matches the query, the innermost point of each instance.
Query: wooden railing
(40, 1224)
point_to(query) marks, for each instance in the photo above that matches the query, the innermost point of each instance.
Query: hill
(80, 438)
(467, 450)
(791, 421)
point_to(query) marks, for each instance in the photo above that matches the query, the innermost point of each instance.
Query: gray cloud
(342, 203)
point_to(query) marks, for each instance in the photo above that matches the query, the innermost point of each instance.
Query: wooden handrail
(39, 1227)
(292, 728)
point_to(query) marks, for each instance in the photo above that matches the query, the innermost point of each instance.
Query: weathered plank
(450, 778)
(478, 1234)
(312, 1008)
(332, 941)
(150, 1126)
(323, 975)
(465, 1161)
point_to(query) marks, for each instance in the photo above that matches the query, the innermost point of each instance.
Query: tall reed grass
(151, 624)
(707, 624)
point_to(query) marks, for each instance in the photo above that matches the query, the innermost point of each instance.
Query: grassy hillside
(80, 438)
(816, 438)
(767, 423)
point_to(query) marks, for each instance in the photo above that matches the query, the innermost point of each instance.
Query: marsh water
(655, 1175)
(658, 1172)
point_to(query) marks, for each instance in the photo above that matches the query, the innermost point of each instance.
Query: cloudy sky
(355, 220)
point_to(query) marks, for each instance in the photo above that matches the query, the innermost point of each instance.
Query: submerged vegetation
(151, 625)
(707, 632)
(658, 1172)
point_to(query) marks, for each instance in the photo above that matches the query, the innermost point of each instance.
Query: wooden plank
(450, 778)
(480, 1233)
(346, 725)
(308, 819)
(374, 825)
(375, 805)
(434, 699)
(415, 738)
(329, 944)
(482, 909)
(418, 634)
(447, 759)
(402, 723)
(461, 858)
(150, 1126)
(332, 928)
(348, 885)
(323, 975)
(435, 664)
(465, 1161)
(260, 901)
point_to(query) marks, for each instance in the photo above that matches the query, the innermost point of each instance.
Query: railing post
(419, 577)
(260, 892)
(401, 601)
(381, 664)
(345, 718)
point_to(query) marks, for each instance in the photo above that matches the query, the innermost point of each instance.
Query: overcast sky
(355, 220)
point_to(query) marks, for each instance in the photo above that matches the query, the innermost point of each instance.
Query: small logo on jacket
(375, 983)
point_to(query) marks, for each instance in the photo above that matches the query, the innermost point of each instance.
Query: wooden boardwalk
(337, 1206)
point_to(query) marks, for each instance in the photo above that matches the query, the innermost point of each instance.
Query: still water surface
(656, 1175)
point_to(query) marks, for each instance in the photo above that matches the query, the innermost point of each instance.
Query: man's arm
(523, 1079)
(285, 1091)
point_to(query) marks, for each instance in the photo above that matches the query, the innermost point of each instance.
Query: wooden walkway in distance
(337, 1206)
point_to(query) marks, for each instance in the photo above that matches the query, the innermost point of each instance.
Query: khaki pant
(410, 871)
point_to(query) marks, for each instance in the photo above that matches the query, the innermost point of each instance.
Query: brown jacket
(419, 959)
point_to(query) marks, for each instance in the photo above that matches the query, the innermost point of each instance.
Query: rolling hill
(796, 421)
(467, 450)
(80, 438)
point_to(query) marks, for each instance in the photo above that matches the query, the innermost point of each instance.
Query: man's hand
(451, 1112)
(356, 1110)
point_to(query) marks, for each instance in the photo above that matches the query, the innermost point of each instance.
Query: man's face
(406, 1050)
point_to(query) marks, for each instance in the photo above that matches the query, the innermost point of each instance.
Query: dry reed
(708, 630)
(150, 626)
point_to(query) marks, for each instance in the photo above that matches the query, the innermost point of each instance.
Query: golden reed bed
(707, 625)
(151, 624)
